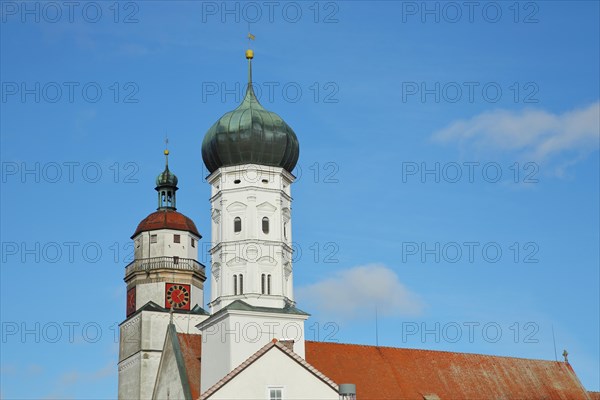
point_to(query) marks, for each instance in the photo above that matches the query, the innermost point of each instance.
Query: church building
(250, 342)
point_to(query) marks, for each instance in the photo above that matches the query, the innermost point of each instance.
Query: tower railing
(165, 262)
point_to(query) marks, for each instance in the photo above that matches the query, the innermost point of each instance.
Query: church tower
(164, 278)
(250, 153)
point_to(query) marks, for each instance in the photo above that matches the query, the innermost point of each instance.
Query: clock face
(177, 296)
(131, 301)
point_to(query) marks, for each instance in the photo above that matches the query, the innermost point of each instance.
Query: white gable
(275, 369)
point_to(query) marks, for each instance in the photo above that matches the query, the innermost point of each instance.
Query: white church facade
(250, 343)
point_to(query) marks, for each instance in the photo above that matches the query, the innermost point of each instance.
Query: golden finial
(166, 152)
(250, 52)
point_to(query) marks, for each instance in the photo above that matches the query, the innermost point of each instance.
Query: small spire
(250, 55)
(166, 184)
(565, 355)
(166, 152)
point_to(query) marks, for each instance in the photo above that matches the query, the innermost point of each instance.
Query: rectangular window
(193, 242)
(269, 284)
(275, 394)
(176, 238)
(153, 238)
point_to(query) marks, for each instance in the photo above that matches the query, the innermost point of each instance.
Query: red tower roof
(166, 219)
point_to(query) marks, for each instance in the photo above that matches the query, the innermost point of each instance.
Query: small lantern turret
(166, 186)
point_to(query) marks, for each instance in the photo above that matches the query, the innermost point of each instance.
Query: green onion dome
(166, 178)
(250, 134)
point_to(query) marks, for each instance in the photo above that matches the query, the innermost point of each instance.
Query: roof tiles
(166, 219)
(396, 373)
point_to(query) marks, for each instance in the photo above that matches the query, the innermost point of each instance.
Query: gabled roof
(274, 344)
(396, 373)
(171, 353)
(190, 346)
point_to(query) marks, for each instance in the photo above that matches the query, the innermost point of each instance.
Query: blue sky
(448, 174)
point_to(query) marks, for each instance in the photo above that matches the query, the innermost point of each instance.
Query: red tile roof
(166, 219)
(191, 346)
(395, 373)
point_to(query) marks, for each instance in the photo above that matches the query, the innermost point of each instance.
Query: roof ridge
(435, 351)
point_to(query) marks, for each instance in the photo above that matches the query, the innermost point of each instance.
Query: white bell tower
(252, 236)
(250, 153)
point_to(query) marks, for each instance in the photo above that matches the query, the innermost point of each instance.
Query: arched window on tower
(235, 284)
(262, 284)
(265, 225)
(241, 284)
(237, 224)
(269, 284)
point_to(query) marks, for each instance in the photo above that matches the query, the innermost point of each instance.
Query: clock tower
(164, 278)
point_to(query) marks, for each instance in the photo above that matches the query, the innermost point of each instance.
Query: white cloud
(533, 135)
(355, 292)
